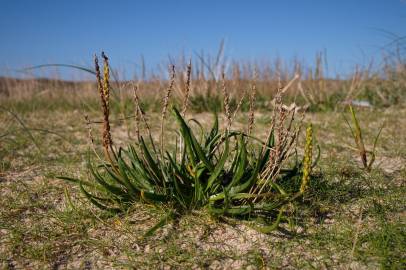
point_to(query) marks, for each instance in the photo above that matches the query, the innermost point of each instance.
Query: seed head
(187, 87)
(106, 79)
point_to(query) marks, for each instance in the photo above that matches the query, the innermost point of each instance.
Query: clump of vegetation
(229, 172)
(359, 141)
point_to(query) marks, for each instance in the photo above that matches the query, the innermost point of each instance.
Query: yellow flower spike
(307, 160)
(106, 79)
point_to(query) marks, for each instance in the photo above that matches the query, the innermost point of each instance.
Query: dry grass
(379, 86)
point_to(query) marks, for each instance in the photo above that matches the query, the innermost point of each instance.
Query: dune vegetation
(206, 166)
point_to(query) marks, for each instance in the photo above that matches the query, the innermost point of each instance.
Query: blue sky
(50, 31)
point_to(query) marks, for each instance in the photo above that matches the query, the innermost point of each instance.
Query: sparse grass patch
(326, 222)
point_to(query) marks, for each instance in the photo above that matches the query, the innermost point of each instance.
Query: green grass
(39, 228)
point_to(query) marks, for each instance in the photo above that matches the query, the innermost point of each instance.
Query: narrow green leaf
(93, 200)
(270, 228)
(219, 167)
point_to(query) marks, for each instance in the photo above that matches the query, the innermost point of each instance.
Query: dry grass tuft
(285, 133)
(187, 88)
(140, 115)
(252, 96)
(166, 102)
(226, 99)
(104, 91)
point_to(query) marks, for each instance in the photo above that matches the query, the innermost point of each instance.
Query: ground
(351, 220)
